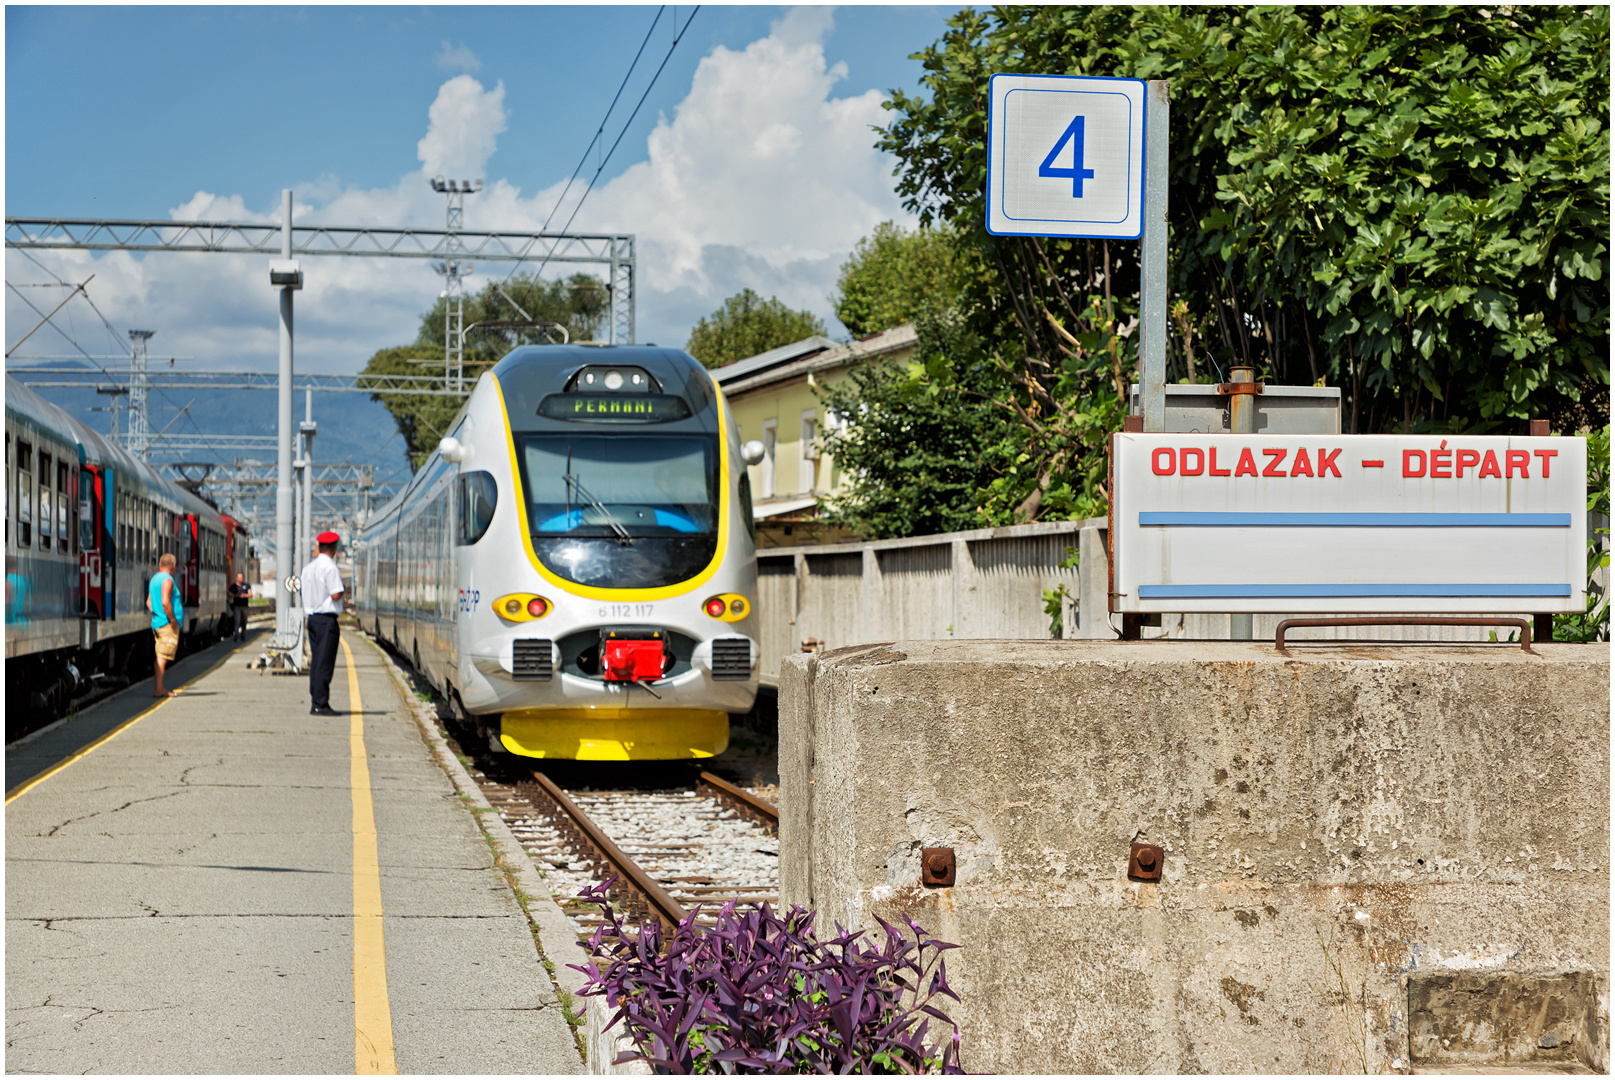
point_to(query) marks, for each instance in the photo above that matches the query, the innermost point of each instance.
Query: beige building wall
(780, 407)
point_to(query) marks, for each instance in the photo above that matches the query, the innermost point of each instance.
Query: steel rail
(666, 909)
(739, 799)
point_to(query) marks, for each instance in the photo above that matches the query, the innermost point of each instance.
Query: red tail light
(716, 607)
(537, 607)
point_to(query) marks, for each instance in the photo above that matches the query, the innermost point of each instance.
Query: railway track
(676, 838)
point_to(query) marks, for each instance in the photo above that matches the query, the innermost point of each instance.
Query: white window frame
(808, 470)
(765, 485)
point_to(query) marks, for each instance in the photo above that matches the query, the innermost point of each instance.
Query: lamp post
(454, 271)
(286, 276)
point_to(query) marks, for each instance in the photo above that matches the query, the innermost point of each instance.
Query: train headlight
(521, 607)
(730, 607)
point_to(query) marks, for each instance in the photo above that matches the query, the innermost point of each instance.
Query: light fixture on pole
(287, 276)
(454, 271)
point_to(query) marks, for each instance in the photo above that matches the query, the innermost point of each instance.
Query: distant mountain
(351, 427)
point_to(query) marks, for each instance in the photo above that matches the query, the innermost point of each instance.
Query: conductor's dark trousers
(322, 639)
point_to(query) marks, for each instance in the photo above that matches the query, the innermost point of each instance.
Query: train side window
(745, 506)
(25, 497)
(87, 540)
(61, 505)
(47, 504)
(11, 490)
(479, 495)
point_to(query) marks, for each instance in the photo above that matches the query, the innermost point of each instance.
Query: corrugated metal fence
(986, 583)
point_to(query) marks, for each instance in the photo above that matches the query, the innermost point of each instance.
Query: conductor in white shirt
(322, 603)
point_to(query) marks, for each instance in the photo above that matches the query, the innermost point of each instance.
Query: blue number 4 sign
(1077, 174)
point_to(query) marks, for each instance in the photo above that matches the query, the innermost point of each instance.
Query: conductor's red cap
(328, 538)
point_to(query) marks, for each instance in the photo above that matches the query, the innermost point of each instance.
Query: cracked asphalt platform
(181, 899)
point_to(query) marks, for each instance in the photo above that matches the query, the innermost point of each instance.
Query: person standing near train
(240, 593)
(167, 612)
(322, 590)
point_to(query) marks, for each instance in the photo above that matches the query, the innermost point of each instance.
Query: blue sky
(165, 101)
(751, 164)
(765, 178)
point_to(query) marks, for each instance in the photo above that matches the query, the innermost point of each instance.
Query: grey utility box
(1280, 410)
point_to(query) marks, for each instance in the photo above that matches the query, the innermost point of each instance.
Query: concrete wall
(1351, 833)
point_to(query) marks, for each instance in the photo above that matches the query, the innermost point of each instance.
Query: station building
(775, 400)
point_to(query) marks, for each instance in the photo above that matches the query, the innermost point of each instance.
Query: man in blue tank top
(167, 614)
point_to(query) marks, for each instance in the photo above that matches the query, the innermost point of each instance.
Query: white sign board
(1065, 156)
(1348, 524)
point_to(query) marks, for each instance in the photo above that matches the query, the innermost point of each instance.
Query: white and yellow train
(575, 568)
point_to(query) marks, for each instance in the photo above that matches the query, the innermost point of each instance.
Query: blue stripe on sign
(1190, 592)
(1176, 517)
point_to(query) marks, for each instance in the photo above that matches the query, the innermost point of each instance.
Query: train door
(95, 562)
(186, 528)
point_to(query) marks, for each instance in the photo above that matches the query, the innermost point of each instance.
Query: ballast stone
(1339, 824)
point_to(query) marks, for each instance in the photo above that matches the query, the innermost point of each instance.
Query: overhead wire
(678, 37)
(111, 332)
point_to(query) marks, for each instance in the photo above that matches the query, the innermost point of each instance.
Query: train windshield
(622, 511)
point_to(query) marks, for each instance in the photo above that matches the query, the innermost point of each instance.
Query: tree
(500, 317)
(918, 455)
(747, 325)
(1410, 203)
(892, 275)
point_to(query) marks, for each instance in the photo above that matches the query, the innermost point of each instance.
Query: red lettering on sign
(1371, 463)
(1488, 465)
(1212, 468)
(1171, 460)
(1441, 459)
(1273, 466)
(1545, 455)
(1199, 461)
(1247, 464)
(1521, 460)
(1303, 464)
(1466, 458)
(1326, 462)
(1408, 458)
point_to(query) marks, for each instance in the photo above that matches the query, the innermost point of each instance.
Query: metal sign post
(1152, 259)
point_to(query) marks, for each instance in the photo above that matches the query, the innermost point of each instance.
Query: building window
(766, 470)
(807, 472)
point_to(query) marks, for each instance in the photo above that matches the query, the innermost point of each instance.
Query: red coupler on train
(632, 655)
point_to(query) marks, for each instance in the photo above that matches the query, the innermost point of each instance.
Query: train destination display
(1348, 524)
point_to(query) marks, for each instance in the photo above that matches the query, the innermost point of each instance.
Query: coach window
(61, 506)
(11, 490)
(478, 497)
(25, 497)
(47, 505)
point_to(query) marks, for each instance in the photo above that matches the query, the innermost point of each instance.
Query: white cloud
(760, 178)
(466, 121)
(458, 58)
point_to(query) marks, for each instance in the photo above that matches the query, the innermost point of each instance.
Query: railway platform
(222, 883)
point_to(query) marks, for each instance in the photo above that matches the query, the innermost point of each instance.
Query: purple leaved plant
(760, 993)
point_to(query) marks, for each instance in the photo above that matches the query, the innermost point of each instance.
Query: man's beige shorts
(167, 639)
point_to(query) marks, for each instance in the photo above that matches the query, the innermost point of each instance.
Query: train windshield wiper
(575, 485)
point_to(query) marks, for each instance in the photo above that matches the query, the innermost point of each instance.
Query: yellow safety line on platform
(109, 736)
(372, 1015)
